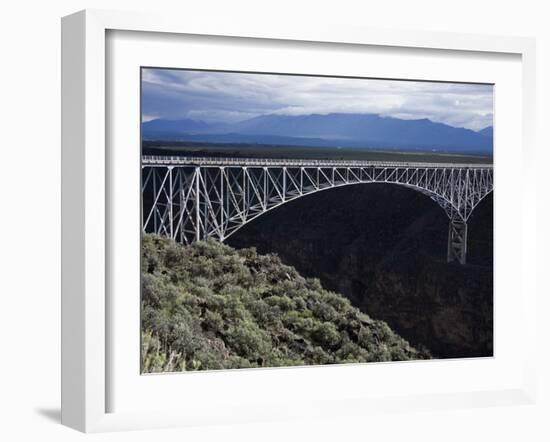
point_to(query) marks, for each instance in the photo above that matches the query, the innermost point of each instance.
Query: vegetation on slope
(209, 306)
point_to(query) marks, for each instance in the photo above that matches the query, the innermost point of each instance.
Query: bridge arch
(432, 196)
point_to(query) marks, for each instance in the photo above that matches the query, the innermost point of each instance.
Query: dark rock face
(384, 247)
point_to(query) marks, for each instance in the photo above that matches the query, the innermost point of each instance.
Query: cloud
(229, 97)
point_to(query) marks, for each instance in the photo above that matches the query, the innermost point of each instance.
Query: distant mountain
(170, 129)
(338, 129)
(487, 132)
(236, 138)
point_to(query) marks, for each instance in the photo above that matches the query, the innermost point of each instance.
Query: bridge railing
(152, 160)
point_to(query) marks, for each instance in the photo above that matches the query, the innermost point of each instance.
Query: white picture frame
(86, 316)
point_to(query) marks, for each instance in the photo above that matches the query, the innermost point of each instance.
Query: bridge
(191, 199)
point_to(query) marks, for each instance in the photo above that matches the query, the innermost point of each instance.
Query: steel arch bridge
(190, 199)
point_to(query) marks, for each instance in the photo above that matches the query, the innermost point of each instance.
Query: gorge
(382, 247)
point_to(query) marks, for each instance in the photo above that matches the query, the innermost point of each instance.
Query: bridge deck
(269, 162)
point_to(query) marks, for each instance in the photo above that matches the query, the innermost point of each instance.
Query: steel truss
(192, 199)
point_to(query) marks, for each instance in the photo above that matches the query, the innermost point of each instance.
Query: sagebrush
(208, 306)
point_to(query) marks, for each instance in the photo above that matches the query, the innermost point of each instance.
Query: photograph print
(300, 220)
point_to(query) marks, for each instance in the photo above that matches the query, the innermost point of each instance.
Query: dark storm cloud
(225, 97)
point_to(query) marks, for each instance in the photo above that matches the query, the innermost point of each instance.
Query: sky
(223, 97)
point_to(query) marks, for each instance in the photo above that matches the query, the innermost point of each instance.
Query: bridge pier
(458, 239)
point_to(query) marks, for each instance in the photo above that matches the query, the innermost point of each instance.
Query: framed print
(266, 140)
(291, 224)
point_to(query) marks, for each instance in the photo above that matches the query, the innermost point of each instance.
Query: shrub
(207, 306)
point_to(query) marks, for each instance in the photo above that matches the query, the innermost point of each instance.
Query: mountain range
(328, 130)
